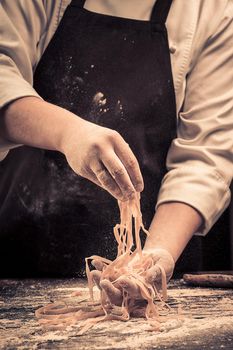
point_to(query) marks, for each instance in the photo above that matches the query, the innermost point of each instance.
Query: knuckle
(118, 194)
(127, 195)
(114, 135)
(109, 184)
(105, 179)
(124, 199)
(118, 172)
(96, 147)
(101, 174)
(82, 171)
(128, 190)
(131, 163)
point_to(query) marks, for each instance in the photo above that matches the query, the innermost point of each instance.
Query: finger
(119, 174)
(93, 178)
(156, 275)
(128, 285)
(130, 162)
(114, 294)
(106, 180)
(89, 175)
(96, 276)
(153, 274)
(98, 265)
(162, 260)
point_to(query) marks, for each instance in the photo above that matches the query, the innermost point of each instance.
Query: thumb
(153, 274)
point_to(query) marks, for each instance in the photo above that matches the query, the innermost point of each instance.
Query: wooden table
(206, 323)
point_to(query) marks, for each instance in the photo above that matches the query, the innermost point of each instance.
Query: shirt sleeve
(22, 24)
(200, 159)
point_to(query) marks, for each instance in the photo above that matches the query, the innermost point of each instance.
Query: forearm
(172, 227)
(94, 152)
(34, 122)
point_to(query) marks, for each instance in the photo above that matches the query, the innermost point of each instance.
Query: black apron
(114, 72)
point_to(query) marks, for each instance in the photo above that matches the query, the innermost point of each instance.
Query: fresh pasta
(131, 263)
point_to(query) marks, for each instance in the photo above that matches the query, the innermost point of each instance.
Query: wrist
(162, 239)
(172, 227)
(34, 122)
(159, 250)
(70, 131)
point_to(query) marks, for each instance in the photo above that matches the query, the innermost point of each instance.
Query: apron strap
(160, 11)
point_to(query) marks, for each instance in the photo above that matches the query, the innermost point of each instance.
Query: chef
(101, 99)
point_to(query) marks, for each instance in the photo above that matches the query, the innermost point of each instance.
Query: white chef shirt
(200, 159)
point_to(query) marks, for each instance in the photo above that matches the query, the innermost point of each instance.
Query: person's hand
(102, 156)
(162, 262)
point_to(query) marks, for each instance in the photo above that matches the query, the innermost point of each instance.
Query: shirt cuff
(17, 91)
(201, 188)
(5, 147)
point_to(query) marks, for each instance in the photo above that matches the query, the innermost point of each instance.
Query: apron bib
(111, 71)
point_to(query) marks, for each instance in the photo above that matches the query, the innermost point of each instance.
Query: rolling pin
(215, 279)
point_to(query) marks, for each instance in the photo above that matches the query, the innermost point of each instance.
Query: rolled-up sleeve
(200, 159)
(22, 24)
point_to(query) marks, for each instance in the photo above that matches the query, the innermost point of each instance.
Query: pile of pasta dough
(131, 263)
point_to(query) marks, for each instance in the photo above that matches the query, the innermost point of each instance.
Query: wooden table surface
(206, 322)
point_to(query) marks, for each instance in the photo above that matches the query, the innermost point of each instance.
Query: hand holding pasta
(134, 276)
(155, 262)
(162, 260)
(132, 285)
(102, 156)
